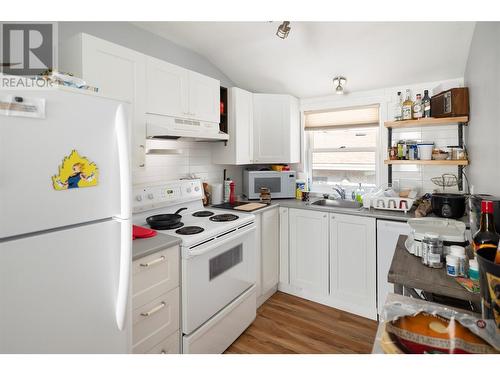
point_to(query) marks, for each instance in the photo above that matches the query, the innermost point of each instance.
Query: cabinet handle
(154, 309)
(163, 352)
(153, 262)
(324, 216)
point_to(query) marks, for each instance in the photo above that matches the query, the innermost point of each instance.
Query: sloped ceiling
(370, 54)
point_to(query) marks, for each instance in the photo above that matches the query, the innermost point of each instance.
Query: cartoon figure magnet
(75, 171)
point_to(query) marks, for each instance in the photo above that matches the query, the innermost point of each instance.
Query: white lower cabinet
(267, 248)
(329, 258)
(156, 303)
(353, 279)
(308, 244)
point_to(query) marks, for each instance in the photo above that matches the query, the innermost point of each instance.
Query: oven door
(216, 273)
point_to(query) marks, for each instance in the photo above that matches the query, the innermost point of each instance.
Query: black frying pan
(165, 220)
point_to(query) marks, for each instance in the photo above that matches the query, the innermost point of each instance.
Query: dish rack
(391, 203)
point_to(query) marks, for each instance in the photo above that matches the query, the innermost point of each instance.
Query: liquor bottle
(426, 104)
(398, 108)
(417, 107)
(407, 106)
(485, 240)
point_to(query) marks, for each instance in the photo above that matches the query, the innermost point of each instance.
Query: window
(342, 146)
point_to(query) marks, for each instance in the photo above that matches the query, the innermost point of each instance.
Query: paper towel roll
(217, 193)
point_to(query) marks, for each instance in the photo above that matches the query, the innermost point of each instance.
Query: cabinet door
(239, 148)
(167, 89)
(353, 264)
(309, 251)
(284, 274)
(270, 249)
(119, 73)
(204, 98)
(271, 128)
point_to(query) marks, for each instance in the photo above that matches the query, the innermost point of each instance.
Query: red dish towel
(141, 232)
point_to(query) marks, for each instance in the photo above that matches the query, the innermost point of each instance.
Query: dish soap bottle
(357, 194)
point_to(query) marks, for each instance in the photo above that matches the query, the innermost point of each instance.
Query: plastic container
(425, 151)
(459, 253)
(452, 265)
(300, 186)
(473, 270)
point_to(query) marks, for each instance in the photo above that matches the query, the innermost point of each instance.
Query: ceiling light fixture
(339, 83)
(283, 30)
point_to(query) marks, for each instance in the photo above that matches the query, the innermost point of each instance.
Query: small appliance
(281, 184)
(448, 205)
(451, 103)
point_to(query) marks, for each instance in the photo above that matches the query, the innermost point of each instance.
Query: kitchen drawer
(158, 342)
(160, 314)
(155, 275)
(171, 345)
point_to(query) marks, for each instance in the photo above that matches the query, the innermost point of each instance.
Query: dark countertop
(142, 247)
(372, 212)
(408, 270)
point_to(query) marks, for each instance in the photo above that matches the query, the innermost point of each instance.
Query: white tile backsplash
(192, 158)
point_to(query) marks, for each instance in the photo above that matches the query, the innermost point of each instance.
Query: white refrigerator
(65, 223)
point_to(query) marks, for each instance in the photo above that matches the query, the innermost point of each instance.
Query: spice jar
(459, 253)
(432, 250)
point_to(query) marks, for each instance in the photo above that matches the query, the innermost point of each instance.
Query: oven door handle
(202, 250)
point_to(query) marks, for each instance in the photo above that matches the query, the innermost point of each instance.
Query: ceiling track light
(339, 83)
(283, 30)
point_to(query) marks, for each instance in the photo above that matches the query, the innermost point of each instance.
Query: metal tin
(432, 250)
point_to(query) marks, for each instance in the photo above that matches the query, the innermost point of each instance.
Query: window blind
(346, 117)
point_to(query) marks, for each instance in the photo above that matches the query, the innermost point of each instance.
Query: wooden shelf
(428, 162)
(430, 121)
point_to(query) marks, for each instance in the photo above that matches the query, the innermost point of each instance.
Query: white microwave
(281, 184)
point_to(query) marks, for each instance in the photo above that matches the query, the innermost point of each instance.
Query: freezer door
(62, 291)
(32, 150)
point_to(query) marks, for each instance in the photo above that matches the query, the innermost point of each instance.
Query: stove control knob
(138, 198)
(150, 196)
(197, 188)
(188, 190)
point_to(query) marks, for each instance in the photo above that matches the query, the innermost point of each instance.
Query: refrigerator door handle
(121, 128)
(124, 276)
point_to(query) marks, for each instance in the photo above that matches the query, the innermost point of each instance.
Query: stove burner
(224, 217)
(189, 230)
(166, 227)
(203, 213)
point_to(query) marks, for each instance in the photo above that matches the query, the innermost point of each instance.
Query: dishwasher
(387, 237)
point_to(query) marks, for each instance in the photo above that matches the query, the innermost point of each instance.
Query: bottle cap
(487, 207)
(431, 235)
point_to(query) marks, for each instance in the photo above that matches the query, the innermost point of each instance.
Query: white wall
(409, 176)
(482, 76)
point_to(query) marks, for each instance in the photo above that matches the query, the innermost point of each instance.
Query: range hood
(165, 127)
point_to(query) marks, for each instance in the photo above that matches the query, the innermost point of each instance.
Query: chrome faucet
(340, 191)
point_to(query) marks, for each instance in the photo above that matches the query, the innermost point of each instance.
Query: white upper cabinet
(308, 251)
(167, 89)
(353, 264)
(178, 92)
(118, 72)
(239, 148)
(204, 98)
(276, 126)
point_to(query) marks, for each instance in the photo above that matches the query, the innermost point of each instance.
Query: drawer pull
(153, 262)
(163, 352)
(154, 309)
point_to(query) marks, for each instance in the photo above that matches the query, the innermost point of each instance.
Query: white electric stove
(218, 263)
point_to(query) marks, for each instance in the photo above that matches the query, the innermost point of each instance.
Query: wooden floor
(287, 324)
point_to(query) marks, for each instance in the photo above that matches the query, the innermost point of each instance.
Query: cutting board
(250, 206)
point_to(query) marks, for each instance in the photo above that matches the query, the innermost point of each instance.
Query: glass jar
(432, 250)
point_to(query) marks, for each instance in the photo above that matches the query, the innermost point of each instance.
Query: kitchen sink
(337, 203)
